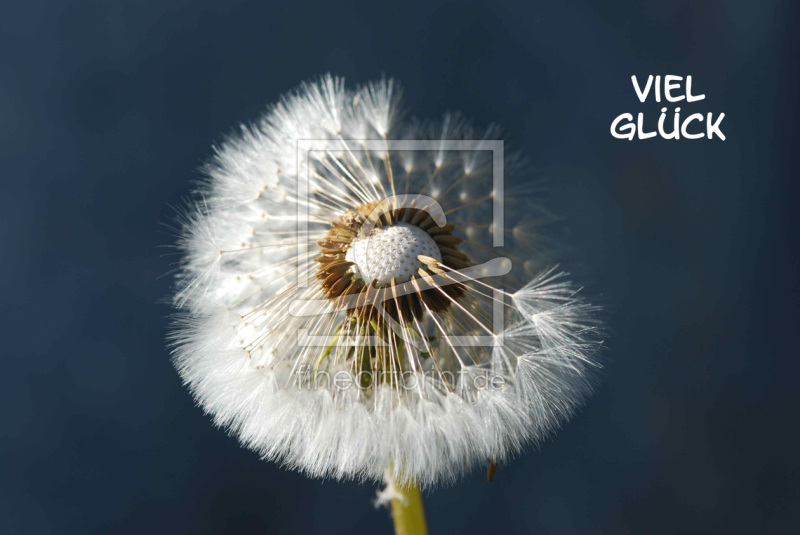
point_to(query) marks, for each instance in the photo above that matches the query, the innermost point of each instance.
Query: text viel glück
(693, 126)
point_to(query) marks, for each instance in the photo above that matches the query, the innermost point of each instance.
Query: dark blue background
(108, 108)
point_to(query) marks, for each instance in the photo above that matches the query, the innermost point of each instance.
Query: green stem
(327, 350)
(407, 511)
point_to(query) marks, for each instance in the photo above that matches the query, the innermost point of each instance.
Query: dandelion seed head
(343, 309)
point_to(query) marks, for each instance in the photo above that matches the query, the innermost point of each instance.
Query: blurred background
(107, 109)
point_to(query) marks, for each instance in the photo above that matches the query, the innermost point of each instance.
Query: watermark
(308, 378)
(495, 267)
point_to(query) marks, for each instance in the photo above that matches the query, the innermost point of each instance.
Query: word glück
(623, 126)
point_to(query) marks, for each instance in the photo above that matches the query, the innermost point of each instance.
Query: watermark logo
(494, 267)
(469, 380)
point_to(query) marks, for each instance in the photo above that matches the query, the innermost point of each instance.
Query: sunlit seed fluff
(343, 307)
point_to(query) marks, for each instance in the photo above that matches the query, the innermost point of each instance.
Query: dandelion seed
(344, 311)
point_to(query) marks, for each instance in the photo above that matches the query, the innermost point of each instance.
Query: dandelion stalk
(407, 511)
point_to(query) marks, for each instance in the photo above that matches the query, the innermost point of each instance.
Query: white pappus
(343, 308)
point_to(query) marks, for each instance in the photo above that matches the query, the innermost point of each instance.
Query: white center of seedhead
(391, 252)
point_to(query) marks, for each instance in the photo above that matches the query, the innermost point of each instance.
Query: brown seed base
(338, 281)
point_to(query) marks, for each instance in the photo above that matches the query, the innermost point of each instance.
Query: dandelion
(367, 297)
